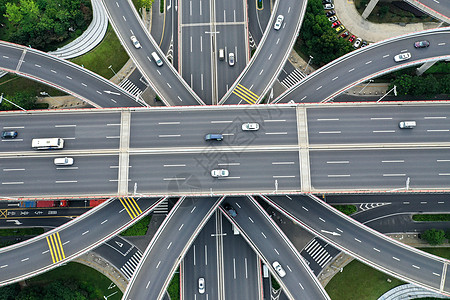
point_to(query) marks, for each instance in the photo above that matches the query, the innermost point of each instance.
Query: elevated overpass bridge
(326, 148)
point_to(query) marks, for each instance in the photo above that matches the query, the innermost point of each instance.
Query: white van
(407, 124)
(63, 161)
(221, 54)
(157, 59)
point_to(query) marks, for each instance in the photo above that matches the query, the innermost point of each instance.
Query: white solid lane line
(394, 175)
(66, 181)
(392, 161)
(330, 132)
(338, 162)
(276, 251)
(219, 122)
(229, 164)
(381, 118)
(263, 235)
(443, 160)
(339, 175)
(283, 176)
(13, 127)
(87, 231)
(397, 259)
(13, 140)
(174, 166)
(13, 182)
(169, 135)
(274, 133)
(8, 170)
(169, 123)
(267, 121)
(336, 119)
(283, 163)
(435, 117)
(67, 168)
(383, 131)
(359, 241)
(438, 130)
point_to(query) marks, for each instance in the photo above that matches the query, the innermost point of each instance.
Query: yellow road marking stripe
(3, 213)
(126, 207)
(135, 205)
(61, 246)
(50, 248)
(248, 91)
(243, 97)
(55, 250)
(131, 206)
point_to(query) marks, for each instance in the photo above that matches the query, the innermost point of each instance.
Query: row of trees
(435, 236)
(421, 85)
(45, 23)
(317, 38)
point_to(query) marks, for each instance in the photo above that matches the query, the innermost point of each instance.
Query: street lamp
(393, 89)
(110, 67)
(371, 80)
(309, 61)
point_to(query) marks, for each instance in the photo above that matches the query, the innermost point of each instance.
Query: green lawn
(108, 53)
(99, 285)
(359, 281)
(21, 231)
(441, 252)
(140, 228)
(431, 218)
(174, 287)
(346, 209)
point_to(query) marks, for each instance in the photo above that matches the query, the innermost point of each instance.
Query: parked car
(364, 43)
(357, 43)
(278, 22)
(340, 28)
(333, 19)
(276, 265)
(351, 39)
(328, 6)
(402, 56)
(9, 134)
(327, 1)
(336, 24)
(421, 44)
(344, 35)
(250, 126)
(135, 42)
(330, 13)
(230, 209)
(220, 173)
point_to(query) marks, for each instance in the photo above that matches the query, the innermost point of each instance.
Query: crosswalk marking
(293, 78)
(318, 253)
(130, 87)
(245, 94)
(130, 266)
(56, 247)
(131, 207)
(162, 208)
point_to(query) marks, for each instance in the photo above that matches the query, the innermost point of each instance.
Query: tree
(403, 83)
(433, 236)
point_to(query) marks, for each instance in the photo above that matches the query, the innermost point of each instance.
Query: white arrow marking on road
(14, 204)
(15, 222)
(120, 244)
(170, 5)
(114, 93)
(333, 233)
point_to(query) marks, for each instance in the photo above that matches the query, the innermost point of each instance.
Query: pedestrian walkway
(318, 253)
(294, 77)
(410, 291)
(90, 38)
(130, 266)
(130, 87)
(373, 32)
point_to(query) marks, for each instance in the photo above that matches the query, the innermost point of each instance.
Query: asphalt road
(177, 233)
(365, 63)
(265, 236)
(33, 257)
(164, 80)
(190, 173)
(442, 7)
(395, 259)
(80, 130)
(377, 125)
(66, 76)
(380, 169)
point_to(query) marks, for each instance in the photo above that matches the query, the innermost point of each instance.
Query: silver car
(250, 126)
(278, 22)
(231, 58)
(63, 161)
(201, 285)
(135, 42)
(220, 173)
(276, 265)
(402, 56)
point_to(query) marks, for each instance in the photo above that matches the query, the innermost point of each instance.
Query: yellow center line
(126, 207)
(135, 205)
(60, 245)
(50, 248)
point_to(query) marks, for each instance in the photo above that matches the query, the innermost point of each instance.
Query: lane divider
(131, 207)
(56, 248)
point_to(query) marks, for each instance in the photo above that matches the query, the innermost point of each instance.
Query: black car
(230, 210)
(10, 134)
(330, 13)
(364, 43)
(326, 1)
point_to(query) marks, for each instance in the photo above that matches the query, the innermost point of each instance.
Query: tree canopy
(43, 23)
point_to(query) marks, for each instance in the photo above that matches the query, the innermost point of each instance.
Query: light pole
(3, 98)
(110, 67)
(393, 89)
(46, 94)
(309, 61)
(371, 80)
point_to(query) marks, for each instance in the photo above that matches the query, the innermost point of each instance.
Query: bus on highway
(45, 144)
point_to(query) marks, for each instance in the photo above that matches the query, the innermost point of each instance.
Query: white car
(63, 161)
(278, 22)
(357, 43)
(328, 6)
(333, 19)
(220, 173)
(250, 126)
(135, 42)
(276, 265)
(201, 285)
(402, 56)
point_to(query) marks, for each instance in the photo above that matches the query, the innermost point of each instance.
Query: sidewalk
(373, 32)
